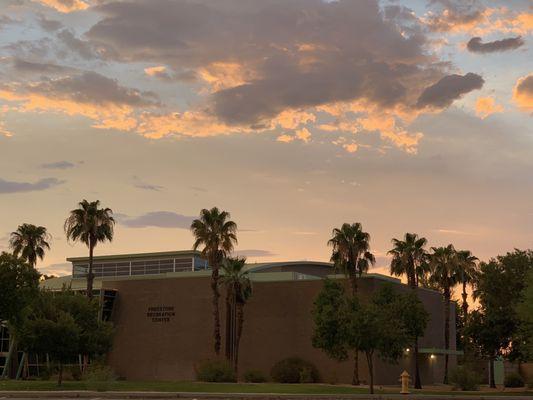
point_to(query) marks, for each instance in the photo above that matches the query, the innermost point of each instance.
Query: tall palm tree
(409, 257)
(238, 290)
(217, 234)
(351, 251)
(467, 273)
(30, 242)
(444, 267)
(351, 255)
(90, 224)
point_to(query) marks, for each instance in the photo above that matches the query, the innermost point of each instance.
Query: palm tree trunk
(229, 325)
(240, 324)
(370, 370)
(465, 303)
(446, 332)
(90, 275)
(216, 311)
(418, 383)
(492, 382)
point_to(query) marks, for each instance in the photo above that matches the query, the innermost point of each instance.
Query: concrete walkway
(82, 394)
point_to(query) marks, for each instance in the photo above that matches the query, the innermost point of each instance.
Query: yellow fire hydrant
(404, 379)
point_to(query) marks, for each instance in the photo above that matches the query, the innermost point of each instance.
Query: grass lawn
(277, 388)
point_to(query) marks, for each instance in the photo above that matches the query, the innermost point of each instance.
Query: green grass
(277, 388)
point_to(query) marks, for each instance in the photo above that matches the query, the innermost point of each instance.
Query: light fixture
(407, 350)
(432, 356)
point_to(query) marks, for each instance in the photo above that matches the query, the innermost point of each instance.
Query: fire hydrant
(404, 379)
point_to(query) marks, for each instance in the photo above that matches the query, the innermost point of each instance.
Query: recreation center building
(160, 304)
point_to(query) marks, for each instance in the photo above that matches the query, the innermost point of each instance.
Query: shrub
(99, 377)
(294, 370)
(254, 376)
(464, 378)
(513, 380)
(75, 372)
(215, 371)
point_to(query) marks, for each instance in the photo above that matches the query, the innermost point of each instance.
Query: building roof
(139, 255)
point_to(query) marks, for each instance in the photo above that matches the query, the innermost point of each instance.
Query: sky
(293, 115)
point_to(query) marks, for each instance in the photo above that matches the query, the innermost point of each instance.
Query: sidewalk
(82, 394)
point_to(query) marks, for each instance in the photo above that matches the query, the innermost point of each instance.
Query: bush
(294, 370)
(464, 378)
(513, 380)
(75, 372)
(215, 371)
(99, 377)
(254, 376)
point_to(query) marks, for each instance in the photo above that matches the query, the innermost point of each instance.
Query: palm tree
(30, 242)
(90, 225)
(351, 255)
(217, 234)
(409, 257)
(467, 273)
(444, 267)
(351, 251)
(238, 291)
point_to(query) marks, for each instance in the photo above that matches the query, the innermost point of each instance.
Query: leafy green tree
(63, 325)
(523, 342)
(30, 242)
(351, 255)
(217, 235)
(415, 319)
(19, 285)
(382, 326)
(409, 258)
(376, 327)
(500, 287)
(444, 272)
(331, 318)
(58, 337)
(90, 225)
(238, 290)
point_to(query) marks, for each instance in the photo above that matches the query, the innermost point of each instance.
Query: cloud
(4, 20)
(254, 253)
(486, 106)
(65, 6)
(295, 57)
(4, 131)
(523, 93)
(49, 25)
(59, 269)
(23, 66)
(446, 90)
(139, 184)
(58, 165)
(104, 100)
(159, 219)
(476, 45)
(301, 134)
(19, 187)
(456, 15)
(83, 49)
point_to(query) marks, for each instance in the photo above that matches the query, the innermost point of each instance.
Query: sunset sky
(293, 115)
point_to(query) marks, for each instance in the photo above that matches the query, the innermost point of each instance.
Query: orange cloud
(65, 6)
(350, 148)
(523, 93)
(154, 71)
(291, 119)
(486, 106)
(224, 75)
(4, 131)
(285, 138)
